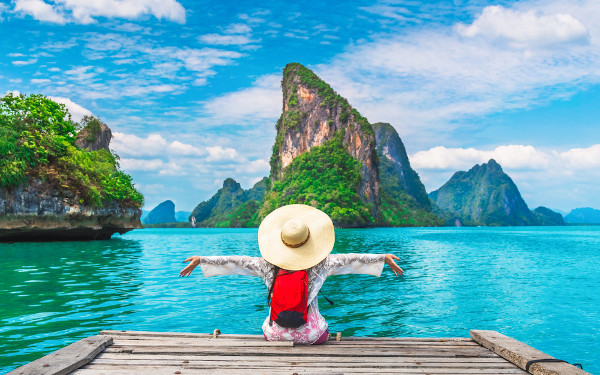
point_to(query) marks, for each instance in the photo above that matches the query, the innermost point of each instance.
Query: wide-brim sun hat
(296, 237)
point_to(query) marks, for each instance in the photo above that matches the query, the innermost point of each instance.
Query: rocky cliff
(56, 184)
(484, 195)
(404, 201)
(313, 115)
(584, 215)
(162, 213)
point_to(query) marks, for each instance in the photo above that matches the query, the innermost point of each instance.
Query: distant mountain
(231, 206)
(484, 195)
(404, 200)
(163, 213)
(182, 216)
(584, 215)
(546, 216)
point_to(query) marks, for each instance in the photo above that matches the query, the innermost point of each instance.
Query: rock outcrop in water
(163, 213)
(56, 184)
(584, 215)
(546, 216)
(231, 206)
(484, 195)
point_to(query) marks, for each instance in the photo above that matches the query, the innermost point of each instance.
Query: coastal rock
(34, 212)
(546, 216)
(231, 206)
(313, 114)
(583, 215)
(163, 213)
(484, 195)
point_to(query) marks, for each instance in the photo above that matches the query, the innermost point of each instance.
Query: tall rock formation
(95, 135)
(404, 201)
(316, 116)
(484, 195)
(163, 213)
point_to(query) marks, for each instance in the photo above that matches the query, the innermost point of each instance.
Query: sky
(191, 89)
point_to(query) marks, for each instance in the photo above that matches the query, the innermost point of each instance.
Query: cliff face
(34, 213)
(163, 213)
(484, 195)
(94, 136)
(404, 201)
(313, 114)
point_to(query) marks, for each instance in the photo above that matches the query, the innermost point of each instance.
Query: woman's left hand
(389, 260)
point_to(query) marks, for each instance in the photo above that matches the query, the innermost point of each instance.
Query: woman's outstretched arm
(227, 265)
(369, 264)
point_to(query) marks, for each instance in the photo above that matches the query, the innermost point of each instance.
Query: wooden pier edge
(520, 353)
(67, 359)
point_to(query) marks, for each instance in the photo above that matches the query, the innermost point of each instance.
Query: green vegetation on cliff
(37, 139)
(484, 195)
(231, 206)
(326, 177)
(546, 216)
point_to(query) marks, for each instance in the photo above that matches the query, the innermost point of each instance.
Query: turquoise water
(540, 285)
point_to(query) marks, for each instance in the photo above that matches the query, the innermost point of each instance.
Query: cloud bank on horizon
(193, 93)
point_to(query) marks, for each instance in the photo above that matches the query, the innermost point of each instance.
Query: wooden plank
(201, 363)
(187, 369)
(520, 353)
(66, 359)
(314, 359)
(305, 350)
(209, 343)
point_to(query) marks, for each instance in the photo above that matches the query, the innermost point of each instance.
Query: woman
(295, 237)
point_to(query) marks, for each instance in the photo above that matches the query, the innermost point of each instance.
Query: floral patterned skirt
(309, 333)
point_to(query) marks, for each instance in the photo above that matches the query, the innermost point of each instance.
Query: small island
(58, 178)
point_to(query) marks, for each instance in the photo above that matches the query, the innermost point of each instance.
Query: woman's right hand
(194, 261)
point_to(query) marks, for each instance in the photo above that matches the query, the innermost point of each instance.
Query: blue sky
(191, 89)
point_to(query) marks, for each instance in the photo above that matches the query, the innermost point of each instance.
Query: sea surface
(539, 285)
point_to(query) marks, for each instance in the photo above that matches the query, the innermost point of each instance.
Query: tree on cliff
(37, 142)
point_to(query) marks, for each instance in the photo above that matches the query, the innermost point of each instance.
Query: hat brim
(319, 244)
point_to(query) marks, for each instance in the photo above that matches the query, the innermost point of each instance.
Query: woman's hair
(275, 272)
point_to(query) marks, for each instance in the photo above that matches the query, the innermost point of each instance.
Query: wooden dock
(149, 353)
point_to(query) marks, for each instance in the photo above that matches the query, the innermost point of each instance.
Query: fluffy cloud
(83, 11)
(25, 62)
(77, 112)
(525, 28)
(40, 10)
(152, 145)
(567, 178)
(258, 103)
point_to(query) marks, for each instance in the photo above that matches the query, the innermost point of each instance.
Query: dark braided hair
(275, 272)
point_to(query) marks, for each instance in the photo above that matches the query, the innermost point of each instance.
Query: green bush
(37, 139)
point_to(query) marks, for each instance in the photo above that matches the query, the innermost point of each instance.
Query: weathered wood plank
(208, 343)
(313, 359)
(66, 359)
(520, 353)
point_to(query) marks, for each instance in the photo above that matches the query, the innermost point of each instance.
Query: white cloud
(24, 62)
(225, 40)
(258, 103)
(141, 164)
(39, 10)
(77, 112)
(16, 55)
(3, 9)
(152, 145)
(219, 153)
(525, 28)
(561, 179)
(38, 81)
(510, 156)
(84, 11)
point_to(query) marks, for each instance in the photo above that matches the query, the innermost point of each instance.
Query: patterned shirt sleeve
(235, 265)
(368, 264)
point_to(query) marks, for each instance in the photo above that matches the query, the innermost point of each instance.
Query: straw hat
(296, 237)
